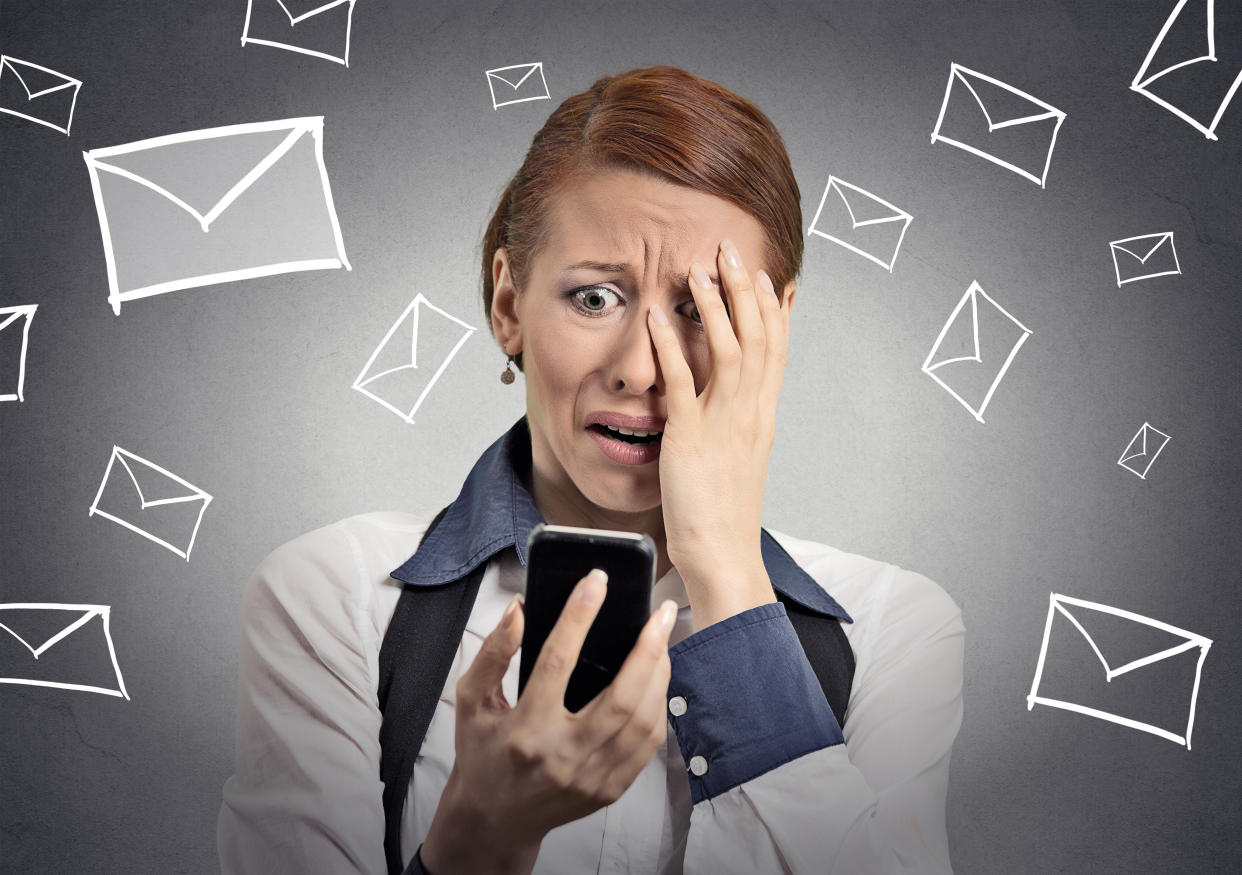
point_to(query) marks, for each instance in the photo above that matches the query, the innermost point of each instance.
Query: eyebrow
(682, 280)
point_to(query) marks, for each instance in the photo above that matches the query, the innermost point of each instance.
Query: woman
(631, 272)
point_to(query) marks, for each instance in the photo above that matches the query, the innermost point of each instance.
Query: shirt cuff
(743, 699)
(416, 866)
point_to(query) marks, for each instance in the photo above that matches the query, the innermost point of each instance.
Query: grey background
(244, 388)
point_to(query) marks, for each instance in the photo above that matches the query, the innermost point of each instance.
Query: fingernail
(731, 254)
(700, 276)
(506, 619)
(668, 614)
(592, 589)
(765, 282)
(658, 315)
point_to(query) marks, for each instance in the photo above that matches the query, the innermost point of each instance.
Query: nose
(635, 366)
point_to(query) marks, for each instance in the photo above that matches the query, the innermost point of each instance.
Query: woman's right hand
(522, 770)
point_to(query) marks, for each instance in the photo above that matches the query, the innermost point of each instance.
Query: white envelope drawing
(178, 504)
(1144, 257)
(393, 374)
(214, 206)
(50, 102)
(36, 664)
(1064, 609)
(517, 84)
(309, 27)
(984, 354)
(14, 334)
(861, 222)
(1142, 450)
(1144, 78)
(1026, 122)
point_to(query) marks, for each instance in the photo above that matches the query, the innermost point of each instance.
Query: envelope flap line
(1155, 657)
(9, 318)
(36, 652)
(296, 19)
(31, 95)
(198, 494)
(1100, 656)
(518, 84)
(898, 214)
(1160, 239)
(1049, 111)
(1140, 82)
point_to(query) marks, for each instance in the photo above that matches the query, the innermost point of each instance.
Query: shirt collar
(495, 510)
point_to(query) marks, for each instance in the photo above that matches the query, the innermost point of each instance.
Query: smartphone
(557, 557)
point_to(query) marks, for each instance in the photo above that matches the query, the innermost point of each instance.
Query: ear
(506, 324)
(791, 289)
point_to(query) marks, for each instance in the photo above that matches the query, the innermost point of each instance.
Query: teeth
(631, 431)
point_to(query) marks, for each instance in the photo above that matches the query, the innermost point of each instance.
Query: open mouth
(631, 438)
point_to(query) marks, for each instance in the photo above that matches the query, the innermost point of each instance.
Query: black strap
(424, 634)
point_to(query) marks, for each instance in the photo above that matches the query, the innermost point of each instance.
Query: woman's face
(617, 242)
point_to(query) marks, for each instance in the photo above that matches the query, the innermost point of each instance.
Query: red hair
(667, 122)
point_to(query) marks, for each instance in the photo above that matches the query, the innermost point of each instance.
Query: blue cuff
(751, 700)
(416, 866)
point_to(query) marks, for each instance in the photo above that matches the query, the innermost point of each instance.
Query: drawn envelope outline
(1140, 438)
(88, 613)
(415, 308)
(1137, 252)
(958, 73)
(515, 86)
(9, 316)
(294, 21)
(1057, 605)
(125, 457)
(898, 215)
(972, 296)
(295, 128)
(1142, 79)
(9, 64)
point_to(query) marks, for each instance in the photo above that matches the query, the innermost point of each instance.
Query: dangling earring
(507, 376)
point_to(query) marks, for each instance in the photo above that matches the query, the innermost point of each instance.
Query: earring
(507, 376)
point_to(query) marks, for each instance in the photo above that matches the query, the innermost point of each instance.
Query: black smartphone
(557, 557)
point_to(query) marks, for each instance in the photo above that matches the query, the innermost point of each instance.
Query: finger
(480, 684)
(680, 397)
(747, 319)
(726, 353)
(776, 350)
(545, 688)
(633, 747)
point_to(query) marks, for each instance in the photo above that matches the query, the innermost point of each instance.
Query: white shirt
(306, 794)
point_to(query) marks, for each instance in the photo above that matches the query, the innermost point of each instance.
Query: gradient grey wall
(244, 388)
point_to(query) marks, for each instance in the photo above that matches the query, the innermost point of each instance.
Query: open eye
(591, 300)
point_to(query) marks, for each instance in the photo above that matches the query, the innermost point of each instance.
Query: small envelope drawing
(861, 222)
(50, 102)
(15, 324)
(1025, 124)
(310, 27)
(517, 84)
(1142, 450)
(168, 507)
(29, 622)
(1062, 609)
(985, 354)
(1144, 257)
(215, 206)
(393, 375)
(1144, 78)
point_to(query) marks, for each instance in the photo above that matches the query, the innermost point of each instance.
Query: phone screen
(559, 557)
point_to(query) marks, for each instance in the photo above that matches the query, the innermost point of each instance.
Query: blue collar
(494, 511)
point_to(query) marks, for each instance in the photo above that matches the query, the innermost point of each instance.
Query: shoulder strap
(421, 640)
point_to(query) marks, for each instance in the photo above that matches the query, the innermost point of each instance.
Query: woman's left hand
(715, 449)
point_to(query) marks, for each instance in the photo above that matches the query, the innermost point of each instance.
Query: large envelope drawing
(1144, 257)
(411, 357)
(999, 123)
(1142, 450)
(14, 334)
(29, 653)
(214, 206)
(974, 349)
(155, 503)
(1199, 67)
(861, 222)
(517, 84)
(1163, 643)
(309, 27)
(37, 94)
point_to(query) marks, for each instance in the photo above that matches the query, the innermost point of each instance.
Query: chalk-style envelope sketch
(1170, 649)
(393, 374)
(14, 334)
(861, 222)
(214, 206)
(969, 361)
(999, 123)
(1144, 257)
(1201, 72)
(1142, 450)
(38, 94)
(157, 504)
(517, 84)
(310, 27)
(38, 628)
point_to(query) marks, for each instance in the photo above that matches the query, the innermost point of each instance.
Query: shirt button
(698, 765)
(677, 706)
